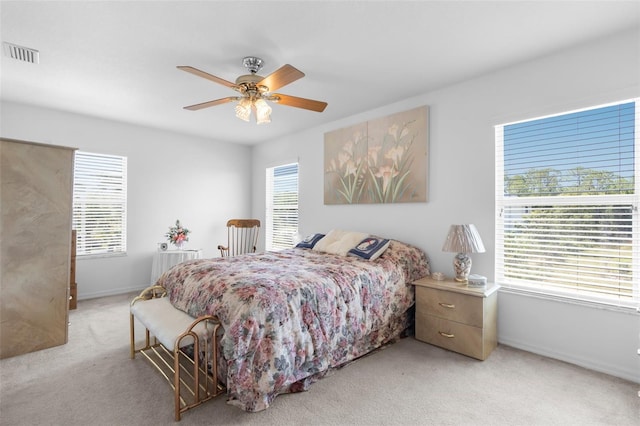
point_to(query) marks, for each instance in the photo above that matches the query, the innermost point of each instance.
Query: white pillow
(339, 242)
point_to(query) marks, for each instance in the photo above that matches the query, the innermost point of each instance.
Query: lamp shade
(263, 111)
(243, 109)
(463, 239)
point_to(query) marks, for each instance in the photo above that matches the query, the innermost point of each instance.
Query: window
(282, 206)
(100, 204)
(567, 200)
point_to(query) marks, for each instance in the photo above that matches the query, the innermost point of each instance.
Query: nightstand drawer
(451, 335)
(448, 305)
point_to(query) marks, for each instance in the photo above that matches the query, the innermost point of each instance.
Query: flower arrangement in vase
(178, 235)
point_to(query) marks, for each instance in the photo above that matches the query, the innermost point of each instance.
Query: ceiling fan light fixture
(263, 111)
(243, 109)
(263, 119)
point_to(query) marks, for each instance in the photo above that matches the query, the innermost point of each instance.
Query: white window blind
(567, 200)
(100, 204)
(282, 206)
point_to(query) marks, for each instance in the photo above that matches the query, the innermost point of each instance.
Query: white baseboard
(612, 370)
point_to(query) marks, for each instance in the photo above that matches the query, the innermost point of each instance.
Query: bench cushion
(165, 322)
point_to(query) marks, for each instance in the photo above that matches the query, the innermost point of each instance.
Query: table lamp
(463, 239)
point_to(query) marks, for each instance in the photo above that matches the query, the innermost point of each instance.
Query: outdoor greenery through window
(282, 206)
(567, 200)
(100, 204)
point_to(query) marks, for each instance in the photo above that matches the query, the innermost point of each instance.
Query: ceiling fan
(255, 90)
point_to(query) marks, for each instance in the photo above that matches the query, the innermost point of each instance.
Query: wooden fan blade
(284, 75)
(211, 103)
(299, 102)
(206, 75)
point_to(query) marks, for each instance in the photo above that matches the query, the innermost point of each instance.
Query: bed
(291, 316)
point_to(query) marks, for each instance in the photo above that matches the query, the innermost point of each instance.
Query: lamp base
(462, 267)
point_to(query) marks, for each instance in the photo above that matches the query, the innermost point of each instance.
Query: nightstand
(454, 316)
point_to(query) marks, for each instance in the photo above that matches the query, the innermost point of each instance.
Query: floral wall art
(380, 161)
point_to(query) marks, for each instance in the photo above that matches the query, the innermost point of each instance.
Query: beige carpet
(92, 381)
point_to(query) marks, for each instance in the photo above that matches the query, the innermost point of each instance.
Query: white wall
(170, 176)
(461, 188)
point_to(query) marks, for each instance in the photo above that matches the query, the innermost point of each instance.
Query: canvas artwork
(380, 161)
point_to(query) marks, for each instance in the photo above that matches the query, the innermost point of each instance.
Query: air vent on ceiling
(21, 53)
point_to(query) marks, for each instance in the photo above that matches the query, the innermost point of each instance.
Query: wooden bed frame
(192, 373)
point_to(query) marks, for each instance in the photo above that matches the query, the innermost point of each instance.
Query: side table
(163, 260)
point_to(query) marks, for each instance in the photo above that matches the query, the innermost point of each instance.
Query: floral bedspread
(290, 316)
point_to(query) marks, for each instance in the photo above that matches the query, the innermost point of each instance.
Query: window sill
(100, 256)
(628, 308)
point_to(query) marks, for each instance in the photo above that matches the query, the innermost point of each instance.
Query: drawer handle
(447, 335)
(447, 305)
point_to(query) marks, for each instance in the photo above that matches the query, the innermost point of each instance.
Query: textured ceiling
(117, 59)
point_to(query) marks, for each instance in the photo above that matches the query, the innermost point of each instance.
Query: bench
(183, 348)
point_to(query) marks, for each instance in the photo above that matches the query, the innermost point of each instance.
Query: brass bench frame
(193, 380)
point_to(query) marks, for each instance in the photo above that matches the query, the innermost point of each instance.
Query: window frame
(631, 200)
(100, 180)
(276, 240)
